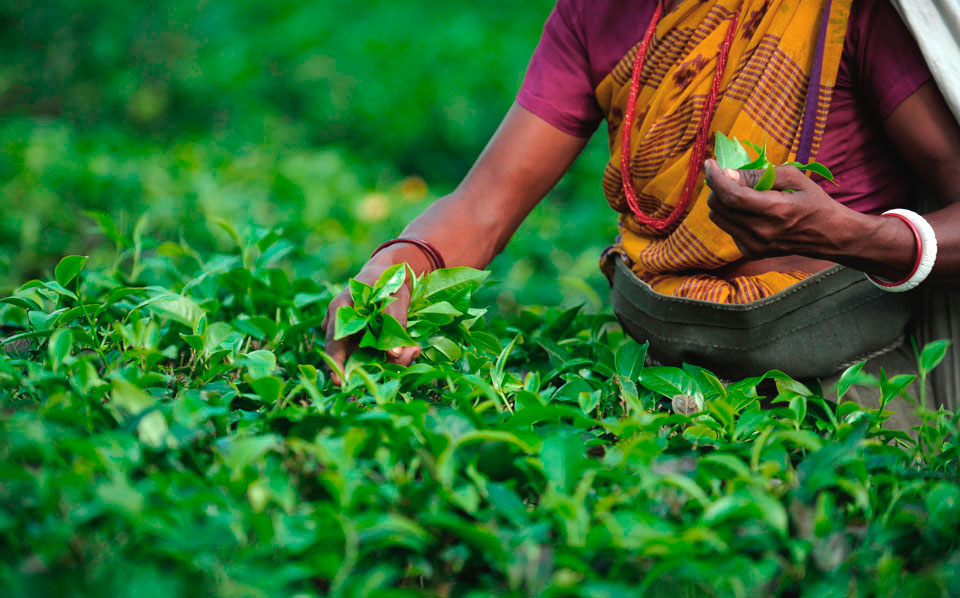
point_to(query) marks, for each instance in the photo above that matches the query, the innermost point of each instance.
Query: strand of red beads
(700, 143)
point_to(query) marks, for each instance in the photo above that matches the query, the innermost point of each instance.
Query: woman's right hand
(340, 350)
(523, 161)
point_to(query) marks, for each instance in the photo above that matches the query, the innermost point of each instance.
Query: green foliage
(439, 313)
(336, 121)
(167, 426)
(69, 192)
(173, 434)
(425, 82)
(732, 154)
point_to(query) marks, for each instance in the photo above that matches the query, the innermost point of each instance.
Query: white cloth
(936, 26)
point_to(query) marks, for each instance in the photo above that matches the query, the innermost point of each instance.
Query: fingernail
(394, 352)
(733, 174)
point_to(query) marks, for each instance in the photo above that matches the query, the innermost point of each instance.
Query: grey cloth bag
(812, 329)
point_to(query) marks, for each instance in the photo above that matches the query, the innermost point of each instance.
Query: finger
(399, 308)
(726, 188)
(408, 355)
(727, 224)
(403, 355)
(737, 195)
(791, 178)
(788, 177)
(749, 178)
(393, 355)
(338, 351)
(741, 236)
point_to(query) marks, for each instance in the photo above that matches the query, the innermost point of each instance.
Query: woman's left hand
(805, 221)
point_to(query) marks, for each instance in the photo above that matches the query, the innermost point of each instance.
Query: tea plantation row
(168, 429)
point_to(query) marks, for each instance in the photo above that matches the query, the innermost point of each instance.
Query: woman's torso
(877, 72)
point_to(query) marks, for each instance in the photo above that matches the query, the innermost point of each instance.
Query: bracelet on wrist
(433, 256)
(926, 240)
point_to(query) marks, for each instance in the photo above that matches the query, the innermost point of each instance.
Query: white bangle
(926, 253)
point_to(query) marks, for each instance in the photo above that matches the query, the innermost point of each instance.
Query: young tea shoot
(440, 316)
(732, 154)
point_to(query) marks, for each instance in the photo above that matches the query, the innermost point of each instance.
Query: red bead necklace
(703, 129)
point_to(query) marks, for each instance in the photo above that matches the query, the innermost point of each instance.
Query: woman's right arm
(522, 162)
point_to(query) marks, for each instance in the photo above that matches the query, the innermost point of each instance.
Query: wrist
(881, 246)
(400, 253)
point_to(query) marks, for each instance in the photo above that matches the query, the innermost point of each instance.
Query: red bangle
(916, 265)
(436, 260)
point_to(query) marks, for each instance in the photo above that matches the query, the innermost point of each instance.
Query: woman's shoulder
(606, 29)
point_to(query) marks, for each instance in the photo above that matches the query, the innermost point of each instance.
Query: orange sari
(762, 99)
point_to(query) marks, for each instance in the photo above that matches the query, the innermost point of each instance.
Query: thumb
(791, 178)
(746, 178)
(399, 309)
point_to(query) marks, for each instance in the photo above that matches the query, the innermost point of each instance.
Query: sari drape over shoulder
(763, 97)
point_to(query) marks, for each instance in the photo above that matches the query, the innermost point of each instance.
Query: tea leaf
(127, 400)
(60, 344)
(259, 364)
(439, 313)
(348, 322)
(630, 359)
(361, 293)
(240, 453)
(854, 375)
(441, 285)
(767, 180)
(22, 303)
(447, 347)
(390, 282)
(933, 355)
(269, 388)
(176, 307)
(393, 335)
(817, 168)
(108, 227)
(730, 154)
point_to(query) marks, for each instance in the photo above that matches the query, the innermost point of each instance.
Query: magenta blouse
(881, 66)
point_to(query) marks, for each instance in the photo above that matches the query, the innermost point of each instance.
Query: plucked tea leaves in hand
(732, 154)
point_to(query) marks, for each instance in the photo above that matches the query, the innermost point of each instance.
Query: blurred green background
(336, 121)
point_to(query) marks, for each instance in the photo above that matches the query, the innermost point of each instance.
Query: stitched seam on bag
(868, 356)
(743, 307)
(753, 325)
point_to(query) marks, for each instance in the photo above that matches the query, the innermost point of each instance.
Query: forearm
(887, 248)
(463, 234)
(464, 230)
(469, 227)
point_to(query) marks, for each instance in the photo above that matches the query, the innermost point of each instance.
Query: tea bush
(333, 204)
(259, 113)
(168, 427)
(168, 430)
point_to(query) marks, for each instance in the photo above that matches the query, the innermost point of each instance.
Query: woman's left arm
(808, 222)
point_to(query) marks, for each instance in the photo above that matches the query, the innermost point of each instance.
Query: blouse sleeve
(557, 85)
(890, 66)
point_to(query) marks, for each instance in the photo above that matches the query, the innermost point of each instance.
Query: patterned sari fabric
(763, 95)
